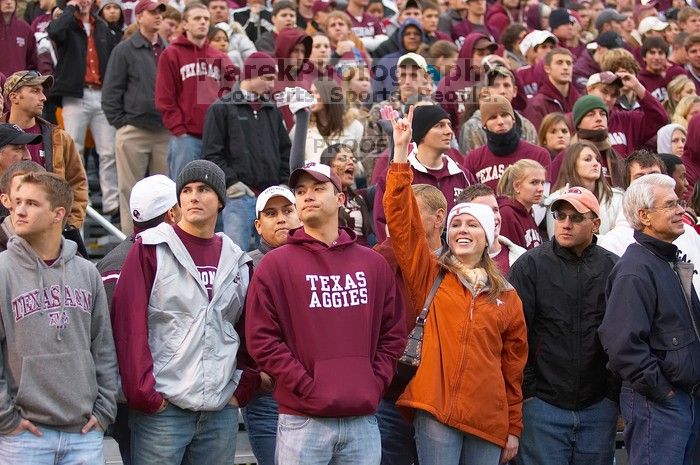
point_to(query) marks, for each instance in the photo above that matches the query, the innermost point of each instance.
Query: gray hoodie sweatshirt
(58, 362)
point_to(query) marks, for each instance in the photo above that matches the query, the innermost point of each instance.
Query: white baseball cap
(152, 197)
(413, 59)
(270, 192)
(651, 23)
(535, 38)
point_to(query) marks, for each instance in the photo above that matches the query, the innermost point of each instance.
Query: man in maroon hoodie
(473, 22)
(328, 330)
(16, 41)
(456, 90)
(656, 73)
(557, 93)
(502, 14)
(189, 78)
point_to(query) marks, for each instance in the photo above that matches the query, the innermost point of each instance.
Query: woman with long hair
(582, 167)
(356, 80)
(679, 87)
(520, 188)
(554, 134)
(355, 213)
(330, 122)
(688, 107)
(466, 396)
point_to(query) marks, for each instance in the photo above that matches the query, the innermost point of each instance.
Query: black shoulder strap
(420, 320)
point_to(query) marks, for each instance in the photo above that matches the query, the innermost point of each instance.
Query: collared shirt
(92, 64)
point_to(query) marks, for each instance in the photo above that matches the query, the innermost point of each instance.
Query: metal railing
(104, 222)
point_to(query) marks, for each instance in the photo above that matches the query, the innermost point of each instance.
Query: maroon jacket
(18, 45)
(517, 224)
(656, 83)
(451, 181)
(549, 100)
(498, 18)
(188, 80)
(630, 130)
(691, 153)
(531, 78)
(488, 167)
(329, 329)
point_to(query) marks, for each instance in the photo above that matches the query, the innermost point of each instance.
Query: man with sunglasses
(651, 329)
(56, 150)
(570, 409)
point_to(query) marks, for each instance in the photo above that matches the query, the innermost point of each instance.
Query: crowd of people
(502, 192)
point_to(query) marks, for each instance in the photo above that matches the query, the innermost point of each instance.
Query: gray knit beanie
(205, 172)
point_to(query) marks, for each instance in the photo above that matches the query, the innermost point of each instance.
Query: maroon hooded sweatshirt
(288, 74)
(188, 80)
(656, 83)
(531, 78)
(630, 130)
(549, 100)
(498, 18)
(329, 329)
(691, 153)
(18, 46)
(517, 224)
(488, 167)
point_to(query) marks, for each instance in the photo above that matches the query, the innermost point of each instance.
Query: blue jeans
(439, 444)
(398, 443)
(660, 433)
(321, 441)
(557, 436)
(239, 215)
(260, 416)
(177, 436)
(181, 151)
(53, 448)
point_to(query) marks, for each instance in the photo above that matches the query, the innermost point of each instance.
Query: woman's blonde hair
(680, 116)
(516, 173)
(674, 88)
(497, 283)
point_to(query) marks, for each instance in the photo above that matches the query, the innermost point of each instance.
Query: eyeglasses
(27, 74)
(575, 218)
(671, 205)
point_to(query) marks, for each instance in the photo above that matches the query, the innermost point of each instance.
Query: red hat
(581, 199)
(149, 5)
(319, 172)
(258, 64)
(322, 5)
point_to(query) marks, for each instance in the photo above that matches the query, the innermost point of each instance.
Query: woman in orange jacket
(466, 397)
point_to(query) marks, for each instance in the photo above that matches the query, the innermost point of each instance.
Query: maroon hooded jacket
(691, 153)
(188, 80)
(488, 167)
(498, 18)
(328, 329)
(517, 224)
(18, 46)
(656, 83)
(531, 78)
(288, 74)
(549, 100)
(630, 130)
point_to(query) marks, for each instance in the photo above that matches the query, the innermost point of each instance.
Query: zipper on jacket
(579, 335)
(255, 114)
(690, 308)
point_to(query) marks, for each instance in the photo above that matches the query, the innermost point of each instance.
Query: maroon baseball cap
(322, 5)
(319, 172)
(149, 5)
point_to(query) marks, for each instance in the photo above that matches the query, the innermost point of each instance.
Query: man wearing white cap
(153, 201)
(534, 47)
(276, 215)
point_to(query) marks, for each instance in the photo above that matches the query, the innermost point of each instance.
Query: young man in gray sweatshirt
(58, 374)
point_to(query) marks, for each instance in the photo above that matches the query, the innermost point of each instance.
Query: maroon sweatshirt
(451, 180)
(531, 78)
(188, 80)
(130, 321)
(629, 130)
(18, 46)
(656, 83)
(517, 224)
(691, 153)
(489, 167)
(549, 100)
(328, 329)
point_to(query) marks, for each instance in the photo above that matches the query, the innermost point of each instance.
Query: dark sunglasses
(575, 218)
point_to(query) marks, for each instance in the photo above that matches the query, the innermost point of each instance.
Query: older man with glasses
(650, 330)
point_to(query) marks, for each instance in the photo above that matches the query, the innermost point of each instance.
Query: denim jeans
(398, 443)
(52, 448)
(181, 151)
(321, 441)
(439, 444)
(557, 436)
(177, 436)
(260, 416)
(79, 114)
(238, 216)
(660, 433)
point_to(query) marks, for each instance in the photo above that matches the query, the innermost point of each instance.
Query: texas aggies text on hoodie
(188, 80)
(517, 224)
(326, 323)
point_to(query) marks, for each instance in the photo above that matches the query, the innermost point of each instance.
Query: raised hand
(401, 129)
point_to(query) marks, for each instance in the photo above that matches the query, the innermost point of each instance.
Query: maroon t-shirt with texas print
(205, 253)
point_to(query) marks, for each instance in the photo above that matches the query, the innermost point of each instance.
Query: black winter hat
(424, 118)
(205, 172)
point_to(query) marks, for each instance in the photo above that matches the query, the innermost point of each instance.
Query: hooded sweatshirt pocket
(57, 389)
(344, 386)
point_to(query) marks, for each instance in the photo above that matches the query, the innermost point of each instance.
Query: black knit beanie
(424, 118)
(205, 172)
